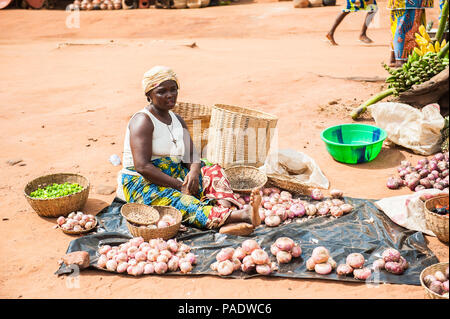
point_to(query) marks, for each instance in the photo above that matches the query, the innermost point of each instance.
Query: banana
(424, 33)
(418, 51)
(430, 47)
(437, 47)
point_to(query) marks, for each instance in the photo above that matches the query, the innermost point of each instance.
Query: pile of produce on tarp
(365, 230)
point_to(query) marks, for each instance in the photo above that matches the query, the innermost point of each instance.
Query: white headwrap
(156, 75)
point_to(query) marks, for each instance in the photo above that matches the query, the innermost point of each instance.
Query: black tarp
(366, 230)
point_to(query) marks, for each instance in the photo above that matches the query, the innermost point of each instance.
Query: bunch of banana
(416, 70)
(425, 43)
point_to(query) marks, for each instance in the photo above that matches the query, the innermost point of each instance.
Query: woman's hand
(191, 183)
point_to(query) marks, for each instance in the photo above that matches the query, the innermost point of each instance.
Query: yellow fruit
(421, 41)
(430, 48)
(443, 43)
(418, 51)
(424, 33)
(437, 47)
(424, 49)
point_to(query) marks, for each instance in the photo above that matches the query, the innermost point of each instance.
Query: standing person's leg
(330, 34)
(363, 36)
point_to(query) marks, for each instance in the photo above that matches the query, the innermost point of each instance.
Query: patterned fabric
(404, 24)
(409, 4)
(156, 75)
(367, 5)
(201, 212)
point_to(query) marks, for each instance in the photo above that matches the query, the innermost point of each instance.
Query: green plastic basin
(353, 143)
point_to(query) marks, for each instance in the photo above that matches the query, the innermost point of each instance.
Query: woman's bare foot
(237, 229)
(255, 203)
(364, 38)
(330, 38)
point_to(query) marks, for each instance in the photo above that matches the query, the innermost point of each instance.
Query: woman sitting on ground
(161, 166)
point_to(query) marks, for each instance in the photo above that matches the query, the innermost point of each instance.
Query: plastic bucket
(353, 143)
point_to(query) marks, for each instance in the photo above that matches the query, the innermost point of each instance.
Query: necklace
(170, 131)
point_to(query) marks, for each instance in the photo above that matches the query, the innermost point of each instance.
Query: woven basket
(430, 270)
(71, 232)
(205, 3)
(61, 206)
(243, 179)
(164, 233)
(239, 136)
(148, 214)
(289, 184)
(438, 224)
(197, 118)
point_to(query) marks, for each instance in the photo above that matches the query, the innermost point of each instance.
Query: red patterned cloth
(216, 186)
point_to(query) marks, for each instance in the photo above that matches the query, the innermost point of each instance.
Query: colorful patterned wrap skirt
(359, 5)
(406, 18)
(201, 211)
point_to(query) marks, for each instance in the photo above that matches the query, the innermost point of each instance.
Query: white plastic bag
(296, 165)
(408, 210)
(418, 130)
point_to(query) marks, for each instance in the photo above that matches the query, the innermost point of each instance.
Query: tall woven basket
(60, 206)
(239, 136)
(197, 118)
(438, 224)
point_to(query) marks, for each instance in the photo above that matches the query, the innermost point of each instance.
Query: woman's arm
(141, 133)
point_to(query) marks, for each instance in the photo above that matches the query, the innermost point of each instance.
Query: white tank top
(162, 141)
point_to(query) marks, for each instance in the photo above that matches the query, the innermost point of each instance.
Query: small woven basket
(289, 184)
(197, 118)
(438, 224)
(243, 179)
(430, 270)
(239, 136)
(71, 232)
(164, 233)
(139, 214)
(60, 206)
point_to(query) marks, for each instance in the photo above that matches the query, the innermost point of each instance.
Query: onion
(296, 251)
(61, 220)
(214, 265)
(332, 263)
(162, 258)
(272, 221)
(160, 267)
(236, 264)
(264, 269)
(405, 163)
(132, 262)
(323, 269)
(438, 157)
(316, 194)
(122, 267)
(173, 263)
(136, 241)
(284, 257)
(336, 211)
(267, 191)
(436, 286)
(102, 261)
(362, 274)
(320, 255)
(140, 256)
(111, 254)
(344, 270)
(346, 208)
(392, 183)
(429, 279)
(131, 252)
(391, 254)
(355, 260)
(378, 264)
(323, 210)
(310, 264)
(122, 257)
(111, 265)
(149, 268)
(445, 286)
(439, 275)
(225, 268)
(225, 254)
(311, 210)
(298, 210)
(285, 243)
(186, 267)
(104, 249)
(260, 257)
(394, 267)
(432, 165)
(425, 182)
(239, 253)
(274, 249)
